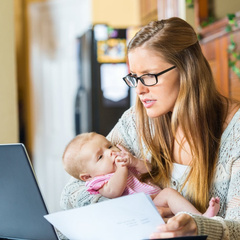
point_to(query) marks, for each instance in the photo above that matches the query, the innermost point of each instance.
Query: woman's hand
(165, 213)
(179, 225)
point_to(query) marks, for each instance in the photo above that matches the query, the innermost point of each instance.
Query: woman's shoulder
(125, 132)
(230, 140)
(126, 124)
(233, 124)
(232, 114)
(129, 114)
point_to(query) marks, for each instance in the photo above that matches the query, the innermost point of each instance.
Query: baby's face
(98, 156)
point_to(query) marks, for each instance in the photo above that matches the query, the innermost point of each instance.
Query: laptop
(21, 204)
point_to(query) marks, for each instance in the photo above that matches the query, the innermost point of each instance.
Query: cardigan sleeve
(75, 195)
(226, 185)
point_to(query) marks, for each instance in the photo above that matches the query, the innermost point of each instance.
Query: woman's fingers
(121, 148)
(165, 212)
(180, 225)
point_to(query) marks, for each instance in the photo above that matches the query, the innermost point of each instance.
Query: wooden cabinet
(235, 80)
(214, 42)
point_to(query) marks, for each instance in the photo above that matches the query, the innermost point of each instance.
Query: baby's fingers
(120, 159)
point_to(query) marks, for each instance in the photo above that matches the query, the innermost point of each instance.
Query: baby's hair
(71, 156)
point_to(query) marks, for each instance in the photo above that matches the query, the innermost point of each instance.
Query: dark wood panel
(215, 52)
(215, 41)
(235, 81)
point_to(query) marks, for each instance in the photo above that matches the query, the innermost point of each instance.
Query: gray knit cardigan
(226, 184)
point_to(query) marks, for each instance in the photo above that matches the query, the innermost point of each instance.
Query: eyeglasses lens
(149, 79)
(131, 81)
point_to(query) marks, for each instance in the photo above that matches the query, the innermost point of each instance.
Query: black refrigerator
(102, 96)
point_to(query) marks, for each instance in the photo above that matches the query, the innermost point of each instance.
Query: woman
(190, 132)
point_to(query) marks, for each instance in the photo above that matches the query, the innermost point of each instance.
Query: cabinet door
(234, 85)
(216, 53)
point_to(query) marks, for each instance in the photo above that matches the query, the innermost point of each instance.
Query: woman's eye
(100, 157)
(148, 76)
(110, 146)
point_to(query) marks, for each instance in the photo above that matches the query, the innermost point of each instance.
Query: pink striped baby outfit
(133, 184)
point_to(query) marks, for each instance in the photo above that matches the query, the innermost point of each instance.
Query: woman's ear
(84, 177)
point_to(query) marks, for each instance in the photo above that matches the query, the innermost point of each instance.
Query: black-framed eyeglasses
(146, 79)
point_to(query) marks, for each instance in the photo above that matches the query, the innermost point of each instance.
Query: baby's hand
(119, 163)
(125, 158)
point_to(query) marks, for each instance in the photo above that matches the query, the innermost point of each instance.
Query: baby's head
(89, 155)
(73, 161)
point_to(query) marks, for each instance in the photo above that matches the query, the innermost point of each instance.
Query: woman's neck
(181, 149)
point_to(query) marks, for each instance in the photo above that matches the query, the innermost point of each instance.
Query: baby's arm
(116, 184)
(127, 159)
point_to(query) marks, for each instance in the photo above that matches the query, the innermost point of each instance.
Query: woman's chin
(154, 114)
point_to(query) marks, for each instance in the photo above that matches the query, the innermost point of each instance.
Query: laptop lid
(21, 204)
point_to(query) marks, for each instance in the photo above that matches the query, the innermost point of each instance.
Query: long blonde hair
(199, 109)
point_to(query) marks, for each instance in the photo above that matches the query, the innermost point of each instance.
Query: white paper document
(130, 217)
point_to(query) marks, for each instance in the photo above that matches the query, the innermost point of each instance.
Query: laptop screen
(21, 204)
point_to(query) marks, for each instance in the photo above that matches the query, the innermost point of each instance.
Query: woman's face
(160, 98)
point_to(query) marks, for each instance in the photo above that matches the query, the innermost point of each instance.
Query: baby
(113, 172)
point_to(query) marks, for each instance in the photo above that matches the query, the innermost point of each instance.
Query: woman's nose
(141, 89)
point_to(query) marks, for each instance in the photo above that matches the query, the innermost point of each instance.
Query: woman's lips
(147, 103)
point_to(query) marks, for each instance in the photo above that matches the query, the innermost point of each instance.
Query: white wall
(55, 25)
